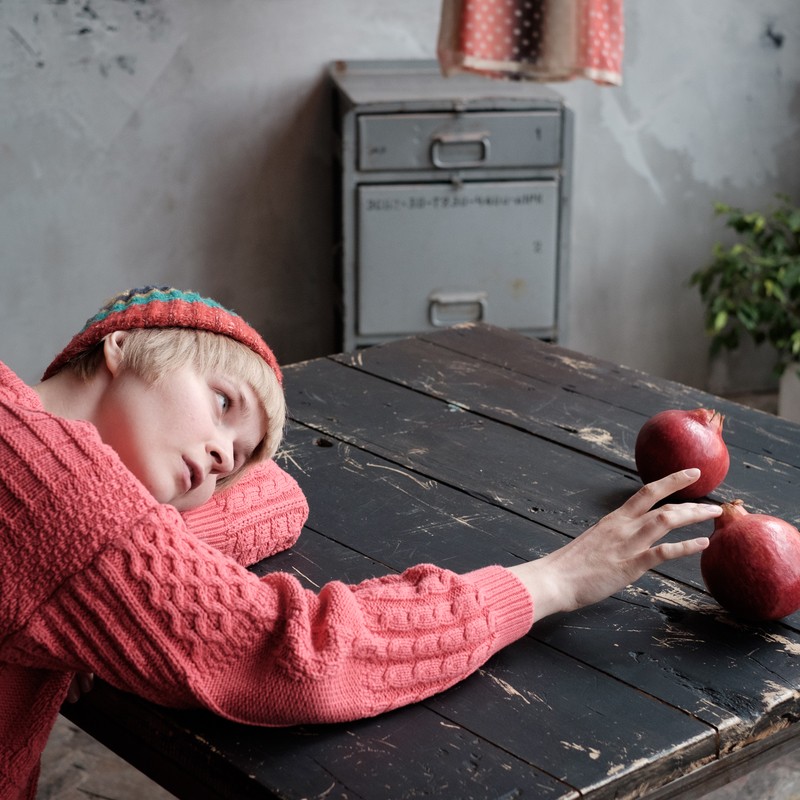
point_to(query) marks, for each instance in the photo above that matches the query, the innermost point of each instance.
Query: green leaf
(722, 208)
(752, 286)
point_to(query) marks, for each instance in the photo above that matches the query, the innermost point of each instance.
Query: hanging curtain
(540, 40)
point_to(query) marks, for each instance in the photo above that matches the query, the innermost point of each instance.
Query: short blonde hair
(151, 353)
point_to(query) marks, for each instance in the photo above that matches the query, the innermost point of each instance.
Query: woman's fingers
(660, 521)
(670, 550)
(80, 684)
(616, 550)
(652, 493)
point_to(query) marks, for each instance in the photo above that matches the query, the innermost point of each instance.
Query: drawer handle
(442, 141)
(451, 308)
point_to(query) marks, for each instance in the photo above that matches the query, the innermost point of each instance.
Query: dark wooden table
(476, 446)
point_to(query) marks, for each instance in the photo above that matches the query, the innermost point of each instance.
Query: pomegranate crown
(710, 416)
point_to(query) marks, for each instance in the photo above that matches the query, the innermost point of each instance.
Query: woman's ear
(112, 351)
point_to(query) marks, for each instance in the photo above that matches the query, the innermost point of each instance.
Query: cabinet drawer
(436, 254)
(502, 139)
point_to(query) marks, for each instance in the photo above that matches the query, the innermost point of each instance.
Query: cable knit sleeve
(164, 615)
(260, 515)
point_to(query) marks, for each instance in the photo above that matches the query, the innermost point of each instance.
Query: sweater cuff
(509, 603)
(206, 523)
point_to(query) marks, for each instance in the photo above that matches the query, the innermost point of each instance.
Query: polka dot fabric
(542, 40)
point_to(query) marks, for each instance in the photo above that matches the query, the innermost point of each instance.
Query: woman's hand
(80, 684)
(617, 550)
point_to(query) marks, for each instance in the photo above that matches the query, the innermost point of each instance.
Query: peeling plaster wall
(709, 110)
(187, 143)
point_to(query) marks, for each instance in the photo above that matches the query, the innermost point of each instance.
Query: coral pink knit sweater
(98, 577)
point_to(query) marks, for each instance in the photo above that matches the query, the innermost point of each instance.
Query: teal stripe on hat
(149, 294)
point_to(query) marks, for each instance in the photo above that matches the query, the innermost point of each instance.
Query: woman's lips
(191, 476)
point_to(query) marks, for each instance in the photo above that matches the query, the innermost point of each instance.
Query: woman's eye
(224, 401)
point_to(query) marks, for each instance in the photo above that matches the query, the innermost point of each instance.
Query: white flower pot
(789, 393)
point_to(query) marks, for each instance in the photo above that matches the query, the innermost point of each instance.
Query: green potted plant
(752, 287)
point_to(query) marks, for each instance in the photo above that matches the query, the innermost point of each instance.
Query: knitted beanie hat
(162, 307)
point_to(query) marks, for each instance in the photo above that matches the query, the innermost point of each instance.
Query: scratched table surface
(472, 446)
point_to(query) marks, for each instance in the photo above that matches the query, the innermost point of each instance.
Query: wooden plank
(315, 559)
(400, 518)
(679, 646)
(499, 393)
(629, 388)
(698, 783)
(579, 725)
(407, 753)
(583, 422)
(486, 459)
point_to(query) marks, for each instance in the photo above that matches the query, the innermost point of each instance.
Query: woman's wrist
(540, 580)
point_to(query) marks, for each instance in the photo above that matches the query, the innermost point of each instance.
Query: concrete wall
(187, 143)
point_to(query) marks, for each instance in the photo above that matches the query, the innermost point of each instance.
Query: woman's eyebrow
(243, 401)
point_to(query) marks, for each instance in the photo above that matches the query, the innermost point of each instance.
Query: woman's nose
(221, 452)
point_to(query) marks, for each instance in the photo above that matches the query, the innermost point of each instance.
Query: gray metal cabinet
(453, 201)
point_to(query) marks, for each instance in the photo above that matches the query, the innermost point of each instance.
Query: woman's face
(182, 434)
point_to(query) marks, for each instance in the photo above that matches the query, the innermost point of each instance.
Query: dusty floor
(76, 767)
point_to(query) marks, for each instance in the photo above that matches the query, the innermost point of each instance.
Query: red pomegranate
(752, 565)
(676, 439)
